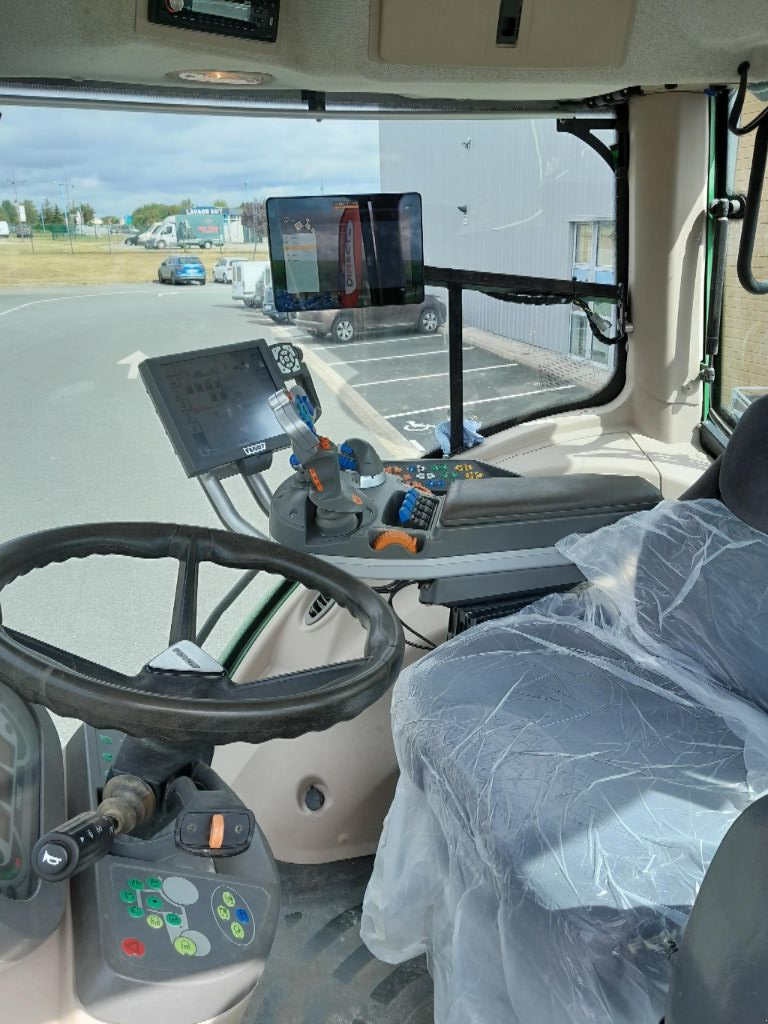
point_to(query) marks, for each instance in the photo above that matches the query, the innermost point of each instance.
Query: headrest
(739, 478)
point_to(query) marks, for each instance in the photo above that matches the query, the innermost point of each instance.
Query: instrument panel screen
(214, 404)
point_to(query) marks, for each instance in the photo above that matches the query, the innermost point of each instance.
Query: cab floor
(319, 971)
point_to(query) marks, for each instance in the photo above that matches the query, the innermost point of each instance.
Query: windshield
(87, 292)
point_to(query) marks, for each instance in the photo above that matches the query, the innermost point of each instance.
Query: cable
(393, 592)
(224, 604)
(594, 325)
(738, 106)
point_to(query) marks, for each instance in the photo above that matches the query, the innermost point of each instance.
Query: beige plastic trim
(553, 33)
(353, 764)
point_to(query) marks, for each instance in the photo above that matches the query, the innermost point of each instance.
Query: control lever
(212, 822)
(331, 491)
(72, 847)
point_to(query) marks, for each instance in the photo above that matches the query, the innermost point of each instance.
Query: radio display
(248, 19)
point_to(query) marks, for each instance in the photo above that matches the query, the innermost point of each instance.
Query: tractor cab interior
(476, 730)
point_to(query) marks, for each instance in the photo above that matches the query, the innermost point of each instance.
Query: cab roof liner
(446, 49)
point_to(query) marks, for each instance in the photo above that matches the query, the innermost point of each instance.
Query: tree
(88, 213)
(222, 204)
(148, 214)
(111, 220)
(51, 214)
(254, 216)
(9, 212)
(180, 207)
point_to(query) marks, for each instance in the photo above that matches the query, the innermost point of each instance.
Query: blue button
(242, 915)
(411, 469)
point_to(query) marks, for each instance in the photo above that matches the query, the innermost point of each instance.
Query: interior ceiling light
(225, 78)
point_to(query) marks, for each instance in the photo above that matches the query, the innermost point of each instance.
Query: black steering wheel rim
(72, 687)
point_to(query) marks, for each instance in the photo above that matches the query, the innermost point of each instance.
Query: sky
(117, 161)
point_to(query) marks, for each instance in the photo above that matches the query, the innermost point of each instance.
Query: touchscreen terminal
(214, 403)
(338, 252)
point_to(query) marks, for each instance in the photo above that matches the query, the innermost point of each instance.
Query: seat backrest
(719, 973)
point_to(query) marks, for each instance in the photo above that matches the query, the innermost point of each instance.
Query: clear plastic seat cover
(568, 774)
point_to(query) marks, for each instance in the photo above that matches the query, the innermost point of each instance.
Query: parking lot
(404, 377)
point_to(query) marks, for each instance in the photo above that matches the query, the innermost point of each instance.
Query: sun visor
(502, 33)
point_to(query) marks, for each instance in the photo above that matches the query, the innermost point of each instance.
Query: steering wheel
(184, 695)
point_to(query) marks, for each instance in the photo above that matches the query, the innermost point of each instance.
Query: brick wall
(744, 346)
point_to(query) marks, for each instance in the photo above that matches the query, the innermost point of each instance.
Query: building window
(594, 254)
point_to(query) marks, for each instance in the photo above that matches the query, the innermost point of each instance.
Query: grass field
(45, 262)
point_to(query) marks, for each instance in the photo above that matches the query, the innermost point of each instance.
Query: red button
(133, 947)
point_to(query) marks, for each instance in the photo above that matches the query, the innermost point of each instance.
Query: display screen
(6, 752)
(215, 404)
(340, 252)
(255, 19)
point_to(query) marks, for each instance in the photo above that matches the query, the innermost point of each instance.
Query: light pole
(64, 186)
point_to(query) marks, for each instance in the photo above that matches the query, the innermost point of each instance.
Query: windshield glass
(87, 291)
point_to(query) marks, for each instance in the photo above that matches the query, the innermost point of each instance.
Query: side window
(742, 363)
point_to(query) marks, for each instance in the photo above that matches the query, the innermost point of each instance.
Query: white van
(5, 231)
(249, 279)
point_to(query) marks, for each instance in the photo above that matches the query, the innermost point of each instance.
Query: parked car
(222, 270)
(181, 270)
(268, 308)
(249, 279)
(346, 324)
(23, 230)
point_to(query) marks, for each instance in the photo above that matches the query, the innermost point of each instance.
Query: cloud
(117, 161)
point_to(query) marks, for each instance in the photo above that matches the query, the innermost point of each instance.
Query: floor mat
(319, 971)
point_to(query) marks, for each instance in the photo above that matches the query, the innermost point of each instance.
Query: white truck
(190, 230)
(249, 279)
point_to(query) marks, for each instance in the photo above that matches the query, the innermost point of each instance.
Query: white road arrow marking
(132, 362)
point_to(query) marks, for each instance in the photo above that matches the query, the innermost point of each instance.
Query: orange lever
(399, 537)
(216, 836)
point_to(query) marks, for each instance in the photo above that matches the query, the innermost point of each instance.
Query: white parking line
(482, 401)
(408, 355)
(386, 341)
(426, 376)
(66, 298)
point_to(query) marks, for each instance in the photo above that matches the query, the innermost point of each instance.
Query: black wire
(738, 106)
(224, 604)
(594, 327)
(393, 591)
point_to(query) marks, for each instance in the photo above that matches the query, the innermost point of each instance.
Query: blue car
(181, 270)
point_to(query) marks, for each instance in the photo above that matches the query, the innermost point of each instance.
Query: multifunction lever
(72, 847)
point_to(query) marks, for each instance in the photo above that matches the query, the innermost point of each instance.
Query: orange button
(216, 836)
(398, 537)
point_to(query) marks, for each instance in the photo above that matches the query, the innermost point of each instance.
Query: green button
(228, 899)
(154, 883)
(155, 921)
(107, 757)
(136, 883)
(185, 946)
(127, 895)
(173, 919)
(223, 913)
(135, 911)
(237, 930)
(105, 739)
(154, 902)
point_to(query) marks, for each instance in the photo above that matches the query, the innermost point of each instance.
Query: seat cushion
(566, 780)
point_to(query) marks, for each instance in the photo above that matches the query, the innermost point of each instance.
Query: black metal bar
(506, 284)
(456, 366)
(583, 127)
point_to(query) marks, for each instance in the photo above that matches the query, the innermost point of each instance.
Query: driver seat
(568, 773)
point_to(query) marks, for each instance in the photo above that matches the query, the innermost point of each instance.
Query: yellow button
(223, 913)
(155, 921)
(237, 930)
(185, 946)
(228, 899)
